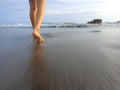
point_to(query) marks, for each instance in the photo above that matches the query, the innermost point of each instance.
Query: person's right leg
(39, 16)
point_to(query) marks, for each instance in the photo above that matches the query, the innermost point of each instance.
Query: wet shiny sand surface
(70, 59)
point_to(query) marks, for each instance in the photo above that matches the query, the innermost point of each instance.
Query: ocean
(63, 25)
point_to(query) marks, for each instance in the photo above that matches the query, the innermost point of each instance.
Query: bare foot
(37, 37)
(42, 39)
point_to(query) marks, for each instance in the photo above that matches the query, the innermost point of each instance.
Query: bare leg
(37, 8)
(33, 10)
(39, 16)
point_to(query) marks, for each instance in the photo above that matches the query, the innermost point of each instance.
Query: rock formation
(118, 21)
(95, 21)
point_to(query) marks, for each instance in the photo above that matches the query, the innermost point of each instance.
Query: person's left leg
(33, 10)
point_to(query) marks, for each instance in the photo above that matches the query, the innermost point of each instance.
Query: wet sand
(70, 59)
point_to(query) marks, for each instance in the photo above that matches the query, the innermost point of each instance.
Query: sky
(81, 11)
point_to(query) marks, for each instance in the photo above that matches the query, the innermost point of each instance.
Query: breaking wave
(61, 25)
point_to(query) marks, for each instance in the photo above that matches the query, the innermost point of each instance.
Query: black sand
(70, 59)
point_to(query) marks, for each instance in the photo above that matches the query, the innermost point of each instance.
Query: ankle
(36, 29)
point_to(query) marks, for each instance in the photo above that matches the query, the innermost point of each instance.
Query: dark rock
(118, 21)
(95, 21)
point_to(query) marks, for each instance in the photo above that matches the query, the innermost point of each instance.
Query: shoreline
(71, 58)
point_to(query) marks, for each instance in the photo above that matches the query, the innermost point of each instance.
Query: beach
(71, 59)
